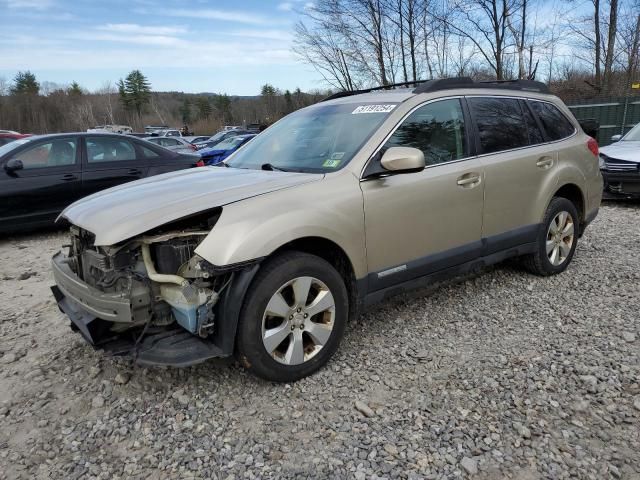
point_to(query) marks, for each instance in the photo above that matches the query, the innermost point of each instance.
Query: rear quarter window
(555, 124)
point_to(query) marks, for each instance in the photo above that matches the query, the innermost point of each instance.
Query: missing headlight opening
(165, 282)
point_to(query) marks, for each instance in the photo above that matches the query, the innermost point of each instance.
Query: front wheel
(557, 240)
(293, 317)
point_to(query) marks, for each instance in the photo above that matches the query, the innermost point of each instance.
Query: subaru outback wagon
(334, 208)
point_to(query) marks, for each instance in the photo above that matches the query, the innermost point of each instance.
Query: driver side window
(437, 129)
(56, 153)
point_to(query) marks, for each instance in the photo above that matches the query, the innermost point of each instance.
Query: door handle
(544, 162)
(68, 177)
(134, 171)
(468, 180)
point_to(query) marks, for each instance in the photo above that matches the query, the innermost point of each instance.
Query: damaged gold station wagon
(333, 208)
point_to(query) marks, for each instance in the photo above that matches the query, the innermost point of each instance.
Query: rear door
(49, 181)
(109, 161)
(519, 166)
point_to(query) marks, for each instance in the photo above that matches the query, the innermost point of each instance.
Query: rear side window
(437, 129)
(148, 153)
(501, 125)
(109, 149)
(555, 124)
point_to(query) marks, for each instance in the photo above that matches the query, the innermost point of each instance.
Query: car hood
(624, 150)
(122, 212)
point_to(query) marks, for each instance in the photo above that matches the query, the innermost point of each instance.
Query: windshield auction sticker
(373, 109)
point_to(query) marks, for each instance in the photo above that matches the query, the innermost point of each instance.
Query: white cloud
(285, 6)
(150, 40)
(211, 14)
(142, 29)
(30, 4)
(280, 35)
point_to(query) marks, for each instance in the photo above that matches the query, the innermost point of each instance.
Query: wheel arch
(575, 195)
(331, 252)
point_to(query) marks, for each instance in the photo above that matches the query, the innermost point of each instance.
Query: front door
(420, 223)
(48, 181)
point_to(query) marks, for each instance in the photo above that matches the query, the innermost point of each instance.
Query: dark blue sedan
(214, 155)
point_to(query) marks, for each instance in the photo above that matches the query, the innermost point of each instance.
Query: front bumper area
(93, 313)
(172, 347)
(110, 307)
(621, 185)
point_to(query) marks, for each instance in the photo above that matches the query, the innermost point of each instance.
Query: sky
(191, 46)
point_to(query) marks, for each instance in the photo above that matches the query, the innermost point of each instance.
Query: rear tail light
(194, 148)
(199, 163)
(592, 145)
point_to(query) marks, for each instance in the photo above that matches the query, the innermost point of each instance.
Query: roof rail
(426, 86)
(348, 93)
(466, 82)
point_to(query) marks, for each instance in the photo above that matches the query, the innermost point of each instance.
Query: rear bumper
(621, 185)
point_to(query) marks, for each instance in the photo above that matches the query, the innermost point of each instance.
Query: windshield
(12, 145)
(318, 139)
(228, 144)
(633, 135)
(218, 136)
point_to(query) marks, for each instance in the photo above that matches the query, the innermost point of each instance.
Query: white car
(176, 144)
(620, 165)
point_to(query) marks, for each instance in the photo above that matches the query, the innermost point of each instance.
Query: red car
(7, 136)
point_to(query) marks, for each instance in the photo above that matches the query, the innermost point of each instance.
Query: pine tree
(135, 91)
(204, 108)
(185, 111)
(25, 83)
(75, 90)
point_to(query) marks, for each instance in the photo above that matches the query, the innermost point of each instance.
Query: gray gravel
(503, 375)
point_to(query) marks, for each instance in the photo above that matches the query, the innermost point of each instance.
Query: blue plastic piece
(187, 317)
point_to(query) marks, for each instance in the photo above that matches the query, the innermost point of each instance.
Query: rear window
(501, 125)
(555, 124)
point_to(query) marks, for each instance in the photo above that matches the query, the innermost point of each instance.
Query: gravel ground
(503, 375)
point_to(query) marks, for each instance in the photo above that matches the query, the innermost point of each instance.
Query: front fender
(331, 209)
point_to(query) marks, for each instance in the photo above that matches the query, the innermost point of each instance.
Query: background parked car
(176, 144)
(7, 136)
(620, 165)
(213, 156)
(197, 138)
(111, 129)
(41, 175)
(166, 133)
(220, 136)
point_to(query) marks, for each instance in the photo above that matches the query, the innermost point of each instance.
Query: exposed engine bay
(164, 280)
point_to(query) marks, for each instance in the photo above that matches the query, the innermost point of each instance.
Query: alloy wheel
(560, 238)
(298, 320)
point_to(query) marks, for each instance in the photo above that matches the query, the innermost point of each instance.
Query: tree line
(357, 43)
(28, 105)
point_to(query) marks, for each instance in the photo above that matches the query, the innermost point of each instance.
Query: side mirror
(13, 164)
(616, 138)
(403, 160)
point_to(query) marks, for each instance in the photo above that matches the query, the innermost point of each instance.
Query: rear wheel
(557, 240)
(293, 317)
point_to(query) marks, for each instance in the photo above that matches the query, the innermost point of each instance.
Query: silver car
(620, 165)
(176, 144)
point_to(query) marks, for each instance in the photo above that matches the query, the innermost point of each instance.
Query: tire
(543, 263)
(318, 333)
